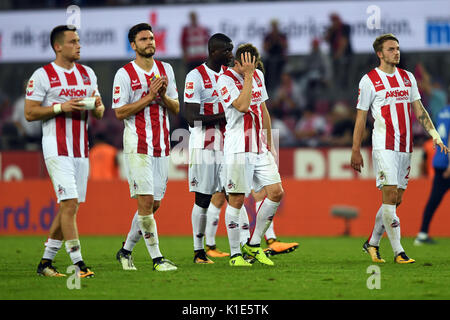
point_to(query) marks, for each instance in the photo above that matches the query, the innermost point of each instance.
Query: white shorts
(69, 177)
(247, 171)
(391, 168)
(147, 175)
(205, 171)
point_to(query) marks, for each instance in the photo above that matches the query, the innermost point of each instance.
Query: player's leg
(438, 190)
(274, 246)
(198, 219)
(212, 223)
(160, 166)
(232, 217)
(266, 175)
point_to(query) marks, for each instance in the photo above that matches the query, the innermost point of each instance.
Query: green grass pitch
(331, 268)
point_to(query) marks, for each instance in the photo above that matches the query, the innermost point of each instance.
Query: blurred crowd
(312, 98)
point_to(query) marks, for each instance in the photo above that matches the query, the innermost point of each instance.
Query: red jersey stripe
(376, 80)
(393, 83)
(206, 80)
(248, 125)
(400, 108)
(71, 78)
(156, 130)
(52, 76)
(410, 129)
(60, 121)
(139, 121)
(86, 142)
(166, 131)
(390, 133)
(76, 128)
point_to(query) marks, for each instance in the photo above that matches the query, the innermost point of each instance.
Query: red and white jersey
(201, 88)
(66, 133)
(243, 132)
(147, 131)
(389, 96)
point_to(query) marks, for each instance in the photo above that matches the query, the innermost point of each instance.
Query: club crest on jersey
(406, 82)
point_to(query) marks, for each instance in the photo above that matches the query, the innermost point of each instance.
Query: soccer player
(144, 91)
(441, 179)
(206, 119)
(247, 159)
(54, 95)
(392, 95)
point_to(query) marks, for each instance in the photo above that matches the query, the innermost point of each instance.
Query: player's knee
(202, 200)
(276, 195)
(218, 200)
(391, 195)
(145, 203)
(156, 205)
(69, 206)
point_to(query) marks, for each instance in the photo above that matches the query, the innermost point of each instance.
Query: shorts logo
(135, 186)
(61, 190)
(194, 182)
(381, 176)
(231, 184)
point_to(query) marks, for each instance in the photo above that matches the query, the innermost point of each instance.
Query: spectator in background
(433, 90)
(289, 99)
(311, 128)
(194, 42)
(30, 131)
(338, 37)
(341, 123)
(103, 160)
(275, 49)
(318, 73)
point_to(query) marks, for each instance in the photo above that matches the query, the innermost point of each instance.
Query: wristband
(57, 108)
(435, 135)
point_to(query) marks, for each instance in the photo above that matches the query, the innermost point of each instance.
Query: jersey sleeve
(264, 93)
(192, 87)
(366, 94)
(37, 86)
(228, 92)
(94, 83)
(415, 95)
(172, 91)
(121, 89)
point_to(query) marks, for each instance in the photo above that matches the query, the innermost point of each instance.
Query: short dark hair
(136, 29)
(217, 40)
(58, 33)
(378, 43)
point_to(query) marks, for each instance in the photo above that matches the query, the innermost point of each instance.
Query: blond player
(392, 96)
(144, 92)
(56, 95)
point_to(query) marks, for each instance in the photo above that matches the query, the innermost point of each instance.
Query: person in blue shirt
(441, 180)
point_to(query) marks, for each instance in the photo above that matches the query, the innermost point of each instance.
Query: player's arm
(130, 109)
(193, 115)
(424, 119)
(35, 111)
(446, 173)
(99, 109)
(357, 161)
(242, 103)
(267, 126)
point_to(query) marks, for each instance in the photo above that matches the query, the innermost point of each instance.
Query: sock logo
(233, 225)
(199, 235)
(395, 224)
(149, 235)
